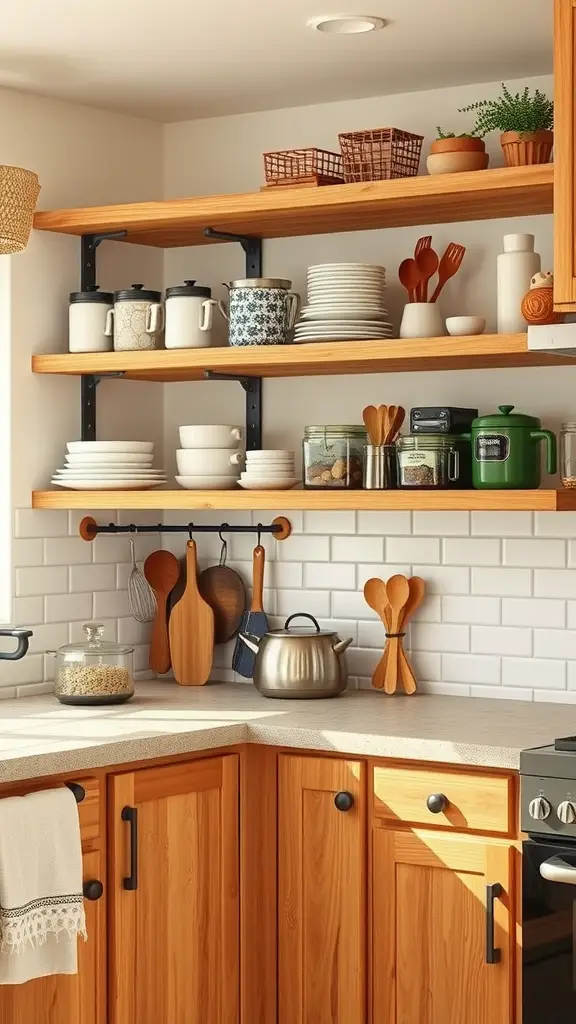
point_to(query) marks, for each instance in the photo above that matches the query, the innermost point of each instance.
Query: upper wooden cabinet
(321, 891)
(564, 155)
(174, 928)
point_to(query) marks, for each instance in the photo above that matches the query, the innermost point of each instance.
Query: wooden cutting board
(191, 629)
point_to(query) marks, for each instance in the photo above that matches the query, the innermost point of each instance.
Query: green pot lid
(506, 419)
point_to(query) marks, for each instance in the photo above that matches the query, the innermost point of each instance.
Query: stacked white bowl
(109, 466)
(346, 301)
(269, 469)
(210, 457)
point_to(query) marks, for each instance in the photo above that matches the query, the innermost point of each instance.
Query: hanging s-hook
(224, 549)
(190, 531)
(259, 533)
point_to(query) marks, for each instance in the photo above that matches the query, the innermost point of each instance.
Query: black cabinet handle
(344, 801)
(493, 892)
(78, 790)
(93, 890)
(130, 814)
(437, 802)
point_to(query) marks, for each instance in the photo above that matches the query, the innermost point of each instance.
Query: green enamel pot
(506, 450)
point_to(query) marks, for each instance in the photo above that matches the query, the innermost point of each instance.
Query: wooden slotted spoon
(449, 265)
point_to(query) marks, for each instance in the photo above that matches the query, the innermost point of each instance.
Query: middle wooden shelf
(486, 351)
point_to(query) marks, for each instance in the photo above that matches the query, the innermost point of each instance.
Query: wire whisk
(141, 597)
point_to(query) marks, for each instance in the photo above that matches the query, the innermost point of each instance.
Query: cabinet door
(321, 892)
(174, 929)
(564, 154)
(66, 999)
(430, 929)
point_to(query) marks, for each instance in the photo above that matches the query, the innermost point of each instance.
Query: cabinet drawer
(480, 802)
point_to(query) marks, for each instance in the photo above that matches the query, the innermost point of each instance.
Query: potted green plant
(525, 123)
(450, 153)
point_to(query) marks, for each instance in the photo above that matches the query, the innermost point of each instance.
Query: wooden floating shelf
(495, 501)
(278, 213)
(478, 352)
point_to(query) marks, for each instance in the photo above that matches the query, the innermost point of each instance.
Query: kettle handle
(550, 438)
(301, 615)
(23, 637)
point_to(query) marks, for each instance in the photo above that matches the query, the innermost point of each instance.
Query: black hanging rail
(280, 528)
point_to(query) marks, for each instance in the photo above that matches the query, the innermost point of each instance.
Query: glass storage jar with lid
(430, 461)
(568, 454)
(93, 671)
(333, 456)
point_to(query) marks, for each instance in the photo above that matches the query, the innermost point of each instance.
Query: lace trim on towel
(32, 923)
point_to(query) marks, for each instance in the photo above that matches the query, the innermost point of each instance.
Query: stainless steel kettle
(299, 663)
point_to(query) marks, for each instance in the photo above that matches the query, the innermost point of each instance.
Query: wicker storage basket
(380, 154)
(19, 191)
(289, 166)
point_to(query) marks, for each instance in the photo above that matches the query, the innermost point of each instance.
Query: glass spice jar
(568, 454)
(431, 461)
(333, 456)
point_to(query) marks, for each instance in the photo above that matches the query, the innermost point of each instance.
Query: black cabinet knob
(437, 802)
(344, 801)
(93, 890)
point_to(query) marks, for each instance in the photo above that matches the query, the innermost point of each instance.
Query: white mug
(189, 316)
(87, 321)
(421, 320)
(213, 435)
(137, 320)
(209, 461)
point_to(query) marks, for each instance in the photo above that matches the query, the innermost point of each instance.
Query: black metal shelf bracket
(88, 384)
(88, 246)
(252, 249)
(253, 388)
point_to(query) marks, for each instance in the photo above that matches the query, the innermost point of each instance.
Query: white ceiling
(183, 59)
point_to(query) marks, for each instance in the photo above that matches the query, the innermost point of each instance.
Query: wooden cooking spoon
(372, 420)
(162, 570)
(427, 261)
(417, 588)
(375, 597)
(398, 592)
(396, 417)
(410, 277)
(449, 265)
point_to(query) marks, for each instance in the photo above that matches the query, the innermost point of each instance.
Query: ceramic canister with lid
(261, 311)
(506, 450)
(94, 670)
(137, 320)
(189, 315)
(515, 268)
(87, 320)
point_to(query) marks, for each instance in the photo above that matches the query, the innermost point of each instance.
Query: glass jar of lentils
(333, 456)
(568, 455)
(93, 671)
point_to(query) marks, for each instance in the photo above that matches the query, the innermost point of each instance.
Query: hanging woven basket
(19, 191)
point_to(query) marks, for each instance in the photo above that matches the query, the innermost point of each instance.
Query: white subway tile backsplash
(109, 603)
(28, 670)
(555, 583)
(67, 551)
(48, 637)
(471, 668)
(534, 673)
(444, 579)
(350, 604)
(441, 524)
(425, 550)
(426, 665)
(445, 689)
(379, 571)
(27, 552)
(76, 630)
(92, 577)
(332, 575)
(470, 551)
(501, 640)
(280, 575)
(371, 634)
(304, 549)
(472, 610)
(555, 524)
(502, 582)
(554, 643)
(357, 549)
(495, 524)
(572, 554)
(363, 661)
(554, 696)
(501, 693)
(329, 522)
(67, 607)
(532, 611)
(42, 580)
(27, 609)
(571, 673)
(29, 522)
(439, 637)
(315, 602)
(534, 553)
(431, 609)
(383, 524)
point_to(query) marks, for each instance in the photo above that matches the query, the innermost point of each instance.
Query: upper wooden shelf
(277, 213)
(477, 352)
(499, 501)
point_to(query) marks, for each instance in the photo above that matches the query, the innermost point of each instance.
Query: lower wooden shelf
(497, 501)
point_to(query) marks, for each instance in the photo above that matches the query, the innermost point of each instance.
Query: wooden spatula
(162, 570)
(255, 621)
(191, 629)
(372, 422)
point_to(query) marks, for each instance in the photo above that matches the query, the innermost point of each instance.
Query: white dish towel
(41, 903)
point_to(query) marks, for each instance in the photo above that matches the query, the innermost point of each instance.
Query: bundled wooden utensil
(394, 601)
(383, 423)
(415, 274)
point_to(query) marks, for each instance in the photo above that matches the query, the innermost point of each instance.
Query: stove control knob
(539, 808)
(567, 812)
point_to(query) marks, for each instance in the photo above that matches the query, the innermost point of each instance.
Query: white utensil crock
(421, 320)
(189, 316)
(262, 311)
(514, 269)
(87, 321)
(137, 320)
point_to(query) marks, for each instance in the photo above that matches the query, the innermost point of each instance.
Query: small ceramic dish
(460, 326)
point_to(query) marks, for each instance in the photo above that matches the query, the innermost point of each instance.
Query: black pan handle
(130, 814)
(493, 892)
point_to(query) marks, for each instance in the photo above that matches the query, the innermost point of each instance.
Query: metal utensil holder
(380, 467)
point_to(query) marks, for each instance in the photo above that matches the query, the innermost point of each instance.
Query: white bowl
(269, 484)
(459, 326)
(209, 461)
(109, 458)
(206, 483)
(270, 467)
(210, 436)
(80, 447)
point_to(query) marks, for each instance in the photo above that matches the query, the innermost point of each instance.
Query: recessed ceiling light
(346, 24)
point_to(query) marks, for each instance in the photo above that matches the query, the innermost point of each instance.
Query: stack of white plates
(345, 301)
(109, 466)
(269, 469)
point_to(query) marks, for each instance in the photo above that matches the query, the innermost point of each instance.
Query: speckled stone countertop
(39, 736)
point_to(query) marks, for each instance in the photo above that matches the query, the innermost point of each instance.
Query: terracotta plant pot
(448, 156)
(522, 148)
(463, 144)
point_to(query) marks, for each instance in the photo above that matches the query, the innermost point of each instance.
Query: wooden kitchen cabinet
(67, 999)
(429, 929)
(174, 936)
(564, 154)
(321, 891)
